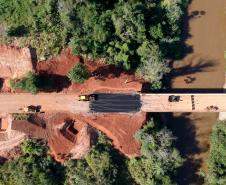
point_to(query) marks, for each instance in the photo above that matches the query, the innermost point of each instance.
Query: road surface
(116, 103)
(11, 103)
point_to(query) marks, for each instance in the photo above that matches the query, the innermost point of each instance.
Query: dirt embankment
(104, 78)
(120, 128)
(202, 70)
(14, 62)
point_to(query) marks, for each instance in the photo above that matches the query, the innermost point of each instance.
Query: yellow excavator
(87, 97)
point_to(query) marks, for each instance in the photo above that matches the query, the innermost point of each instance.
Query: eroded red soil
(120, 128)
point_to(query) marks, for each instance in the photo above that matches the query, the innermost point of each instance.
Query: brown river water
(201, 70)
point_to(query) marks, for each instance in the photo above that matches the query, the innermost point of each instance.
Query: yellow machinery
(89, 97)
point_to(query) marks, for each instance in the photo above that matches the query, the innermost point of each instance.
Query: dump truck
(87, 97)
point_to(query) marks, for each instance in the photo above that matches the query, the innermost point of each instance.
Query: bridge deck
(160, 103)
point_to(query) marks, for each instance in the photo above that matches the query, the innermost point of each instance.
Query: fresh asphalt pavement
(116, 103)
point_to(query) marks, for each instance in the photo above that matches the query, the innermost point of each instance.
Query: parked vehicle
(174, 98)
(31, 109)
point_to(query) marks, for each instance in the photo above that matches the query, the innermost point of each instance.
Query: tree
(152, 67)
(78, 74)
(97, 168)
(159, 159)
(28, 83)
(217, 157)
(33, 167)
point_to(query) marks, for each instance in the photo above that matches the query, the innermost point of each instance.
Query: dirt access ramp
(201, 70)
(14, 62)
(120, 128)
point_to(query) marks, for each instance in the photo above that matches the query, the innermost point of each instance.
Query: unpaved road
(11, 103)
(204, 67)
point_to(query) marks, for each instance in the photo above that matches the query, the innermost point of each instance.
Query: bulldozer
(87, 97)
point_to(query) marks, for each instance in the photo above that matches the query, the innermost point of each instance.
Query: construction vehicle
(31, 109)
(173, 98)
(89, 97)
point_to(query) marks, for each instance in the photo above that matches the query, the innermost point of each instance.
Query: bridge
(12, 103)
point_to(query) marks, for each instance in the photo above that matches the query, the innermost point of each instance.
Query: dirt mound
(120, 128)
(104, 78)
(59, 65)
(14, 62)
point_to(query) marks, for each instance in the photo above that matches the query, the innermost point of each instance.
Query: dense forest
(132, 34)
(103, 165)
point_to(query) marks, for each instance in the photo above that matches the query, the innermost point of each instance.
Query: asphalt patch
(116, 103)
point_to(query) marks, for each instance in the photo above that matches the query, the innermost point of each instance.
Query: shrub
(78, 74)
(28, 83)
(22, 116)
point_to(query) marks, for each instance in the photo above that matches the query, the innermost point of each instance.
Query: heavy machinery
(31, 109)
(87, 97)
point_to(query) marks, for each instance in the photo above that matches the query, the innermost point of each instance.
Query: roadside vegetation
(28, 83)
(135, 35)
(102, 165)
(78, 74)
(217, 157)
(21, 116)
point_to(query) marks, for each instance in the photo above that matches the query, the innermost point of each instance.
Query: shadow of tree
(200, 65)
(109, 71)
(1, 83)
(196, 14)
(184, 129)
(52, 82)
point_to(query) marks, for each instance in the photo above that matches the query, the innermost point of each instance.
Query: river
(201, 70)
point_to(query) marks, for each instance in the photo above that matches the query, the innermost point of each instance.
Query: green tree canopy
(78, 74)
(122, 32)
(217, 157)
(98, 167)
(33, 167)
(159, 159)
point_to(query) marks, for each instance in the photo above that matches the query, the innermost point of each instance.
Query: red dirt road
(11, 103)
